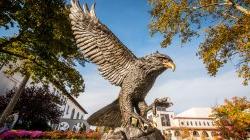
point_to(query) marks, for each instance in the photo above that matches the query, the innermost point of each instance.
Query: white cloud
(185, 93)
(98, 92)
(200, 91)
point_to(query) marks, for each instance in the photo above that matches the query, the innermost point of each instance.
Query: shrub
(17, 134)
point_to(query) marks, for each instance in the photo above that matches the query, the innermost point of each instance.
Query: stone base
(132, 133)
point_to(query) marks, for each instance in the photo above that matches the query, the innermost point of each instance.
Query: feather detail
(99, 45)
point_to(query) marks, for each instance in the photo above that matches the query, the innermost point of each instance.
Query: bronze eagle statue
(119, 66)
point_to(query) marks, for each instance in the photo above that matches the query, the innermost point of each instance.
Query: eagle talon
(164, 102)
(141, 123)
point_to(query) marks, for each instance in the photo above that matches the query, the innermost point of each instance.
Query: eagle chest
(138, 83)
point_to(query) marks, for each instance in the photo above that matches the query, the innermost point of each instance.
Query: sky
(189, 86)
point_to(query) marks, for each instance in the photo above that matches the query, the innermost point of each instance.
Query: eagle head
(160, 61)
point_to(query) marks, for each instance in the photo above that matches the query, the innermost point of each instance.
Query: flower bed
(17, 134)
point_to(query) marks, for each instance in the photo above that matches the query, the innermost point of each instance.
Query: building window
(213, 133)
(67, 112)
(64, 101)
(72, 114)
(77, 115)
(204, 123)
(177, 133)
(82, 117)
(191, 123)
(196, 134)
(158, 108)
(165, 121)
(182, 123)
(64, 109)
(195, 123)
(205, 134)
(208, 124)
(161, 109)
(187, 124)
(199, 123)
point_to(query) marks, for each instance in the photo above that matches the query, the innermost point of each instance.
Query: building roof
(192, 128)
(196, 113)
(16, 79)
(76, 103)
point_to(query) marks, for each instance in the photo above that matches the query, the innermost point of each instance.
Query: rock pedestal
(132, 133)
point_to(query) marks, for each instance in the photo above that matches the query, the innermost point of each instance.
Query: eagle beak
(169, 65)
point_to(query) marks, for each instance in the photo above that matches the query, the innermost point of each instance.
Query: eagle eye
(164, 59)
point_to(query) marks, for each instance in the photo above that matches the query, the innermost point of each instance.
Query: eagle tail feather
(109, 115)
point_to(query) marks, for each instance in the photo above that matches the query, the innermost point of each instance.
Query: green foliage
(233, 118)
(7, 9)
(36, 107)
(227, 37)
(44, 46)
(185, 134)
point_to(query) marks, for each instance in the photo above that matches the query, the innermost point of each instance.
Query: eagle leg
(142, 109)
(143, 124)
(128, 115)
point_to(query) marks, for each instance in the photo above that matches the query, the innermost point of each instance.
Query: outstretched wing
(99, 45)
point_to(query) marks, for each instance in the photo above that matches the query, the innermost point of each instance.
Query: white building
(73, 113)
(194, 123)
(7, 83)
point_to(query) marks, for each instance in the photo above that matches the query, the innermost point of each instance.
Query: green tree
(233, 118)
(225, 24)
(185, 134)
(37, 106)
(43, 49)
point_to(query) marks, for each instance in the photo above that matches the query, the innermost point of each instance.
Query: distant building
(7, 83)
(73, 113)
(193, 123)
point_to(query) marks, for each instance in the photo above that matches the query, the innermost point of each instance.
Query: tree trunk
(8, 110)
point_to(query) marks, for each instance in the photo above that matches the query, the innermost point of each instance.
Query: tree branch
(53, 81)
(208, 5)
(227, 2)
(228, 15)
(58, 85)
(238, 7)
(21, 56)
(13, 54)
(3, 44)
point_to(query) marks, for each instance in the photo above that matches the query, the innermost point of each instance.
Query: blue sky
(189, 86)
